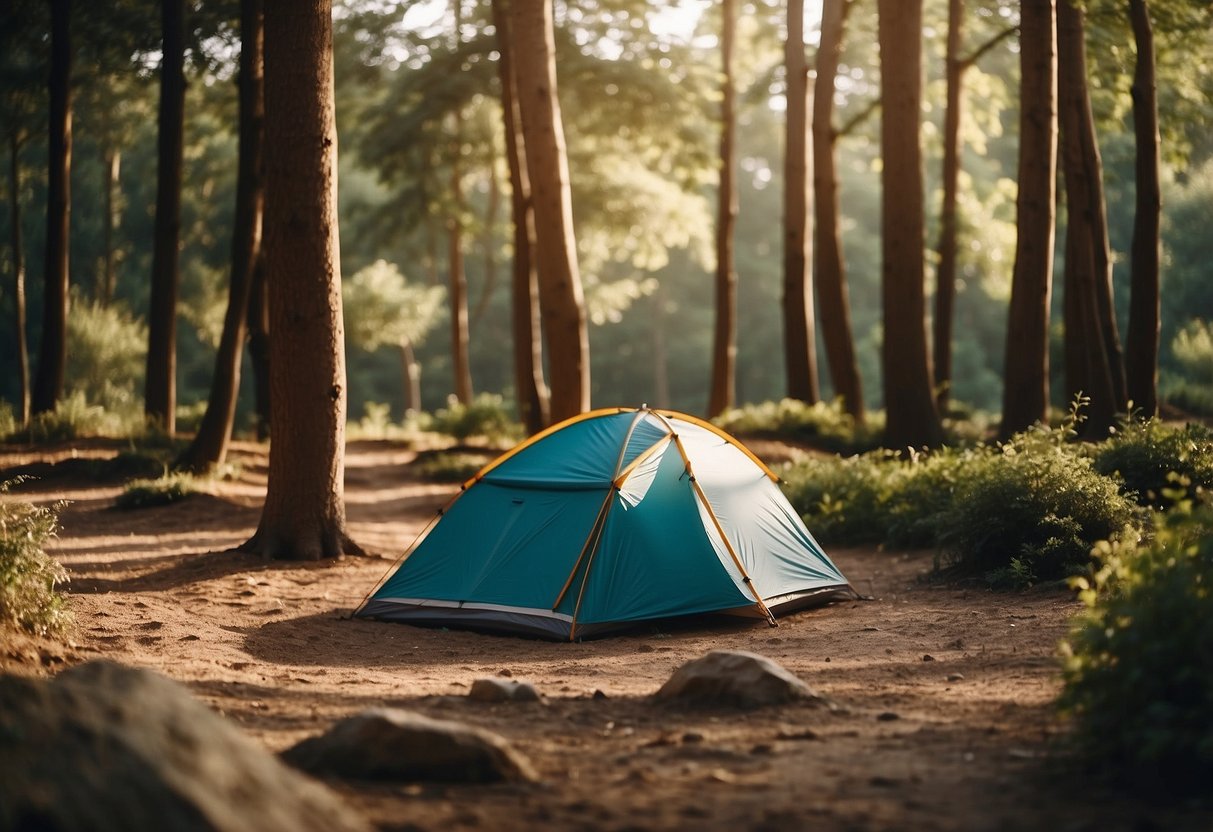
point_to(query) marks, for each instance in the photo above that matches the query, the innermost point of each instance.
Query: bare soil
(945, 716)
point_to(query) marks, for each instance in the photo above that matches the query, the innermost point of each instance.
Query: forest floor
(945, 692)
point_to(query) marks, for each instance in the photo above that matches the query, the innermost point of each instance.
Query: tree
(1026, 375)
(1143, 334)
(799, 331)
(832, 295)
(454, 230)
(160, 391)
(48, 380)
(531, 390)
(209, 447)
(382, 309)
(906, 361)
(560, 295)
(1094, 365)
(724, 341)
(304, 513)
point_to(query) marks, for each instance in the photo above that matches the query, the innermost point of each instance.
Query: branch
(857, 119)
(977, 55)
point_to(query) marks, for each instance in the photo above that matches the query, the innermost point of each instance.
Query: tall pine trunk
(1026, 377)
(945, 275)
(529, 385)
(1094, 365)
(724, 339)
(456, 273)
(107, 278)
(210, 445)
(259, 347)
(560, 295)
(799, 332)
(160, 385)
(411, 370)
(832, 295)
(1142, 346)
(304, 513)
(52, 354)
(906, 361)
(17, 252)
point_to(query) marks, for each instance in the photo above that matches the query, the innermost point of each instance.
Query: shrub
(106, 351)
(158, 492)
(8, 421)
(485, 417)
(1139, 662)
(1159, 463)
(28, 576)
(72, 418)
(823, 425)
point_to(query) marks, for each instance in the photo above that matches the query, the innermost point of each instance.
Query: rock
(502, 690)
(104, 746)
(927, 657)
(735, 678)
(955, 677)
(396, 745)
(888, 716)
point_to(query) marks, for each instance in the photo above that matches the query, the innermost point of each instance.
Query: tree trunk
(525, 321)
(724, 344)
(160, 386)
(906, 361)
(456, 273)
(1091, 344)
(52, 355)
(107, 280)
(560, 295)
(412, 377)
(489, 240)
(209, 447)
(1026, 377)
(832, 297)
(17, 246)
(259, 344)
(945, 276)
(661, 354)
(1142, 347)
(304, 513)
(799, 331)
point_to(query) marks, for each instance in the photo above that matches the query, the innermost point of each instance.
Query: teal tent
(609, 518)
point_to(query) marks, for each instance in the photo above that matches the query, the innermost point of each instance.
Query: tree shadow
(182, 570)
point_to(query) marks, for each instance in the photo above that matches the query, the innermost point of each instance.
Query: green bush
(822, 425)
(72, 418)
(1139, 662)
(28, 576)
(8, 421)
(106, 352)
(161, 491)
(1032, 512)
(485, 417)
(1159, 463)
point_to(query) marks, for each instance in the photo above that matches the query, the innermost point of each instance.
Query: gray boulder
(104, 746)
(395, 745)
(735, 679)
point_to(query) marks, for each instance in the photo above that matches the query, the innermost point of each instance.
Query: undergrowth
(28, 576)
(822, 425)
(161, 491)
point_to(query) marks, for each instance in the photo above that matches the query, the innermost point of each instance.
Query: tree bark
(912, 420)
(17, 245)
(52, 355)
(945, 276)
(457, 275)
(412, 377)
(561, 300)
(1142, 346)
(209, 447)
(724, 343)
(160, 385)
(1091, 343)
(799, 330)
(1026, 377)
(108, 278)
(259, 345)
(489, 240)
(531, 389)
(661, 353)
(832, 296)
(304, 513)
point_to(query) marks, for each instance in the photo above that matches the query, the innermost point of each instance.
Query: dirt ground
(944, 692)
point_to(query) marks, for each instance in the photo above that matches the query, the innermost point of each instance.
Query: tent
(612, 517)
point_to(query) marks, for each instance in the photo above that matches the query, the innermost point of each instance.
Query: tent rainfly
(612, 517)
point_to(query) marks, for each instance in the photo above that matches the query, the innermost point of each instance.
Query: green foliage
(169, 488)
(487, 417)
(106, 350)
(72, 418)
(452, 465)
(8, 420)
(1191, 388)
(382, 309)
(822, 425)
(1138, 679)
(28, 576)
(1159, 463)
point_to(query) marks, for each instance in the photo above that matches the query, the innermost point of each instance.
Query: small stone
(506, 673)
(928, 658)
(805, 734)
(692, 737)
(762, 748)
(887, 716)
(645, 648)
(502, 690)
(735, 678)
(956, 677)
(598, 694)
